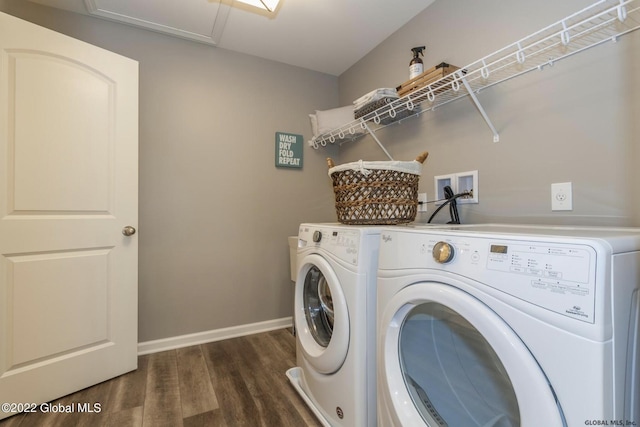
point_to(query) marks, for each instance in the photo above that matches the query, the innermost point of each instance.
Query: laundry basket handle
(422, 157)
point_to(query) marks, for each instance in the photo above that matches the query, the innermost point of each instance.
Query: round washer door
(448, 359)
(321, 315)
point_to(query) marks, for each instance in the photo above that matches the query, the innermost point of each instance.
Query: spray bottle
(416, 66)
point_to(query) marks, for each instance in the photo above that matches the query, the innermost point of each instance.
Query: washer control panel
(340, 242)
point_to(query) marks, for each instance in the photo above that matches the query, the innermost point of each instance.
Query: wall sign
(289, 150)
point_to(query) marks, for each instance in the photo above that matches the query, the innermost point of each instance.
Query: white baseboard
(155, 346)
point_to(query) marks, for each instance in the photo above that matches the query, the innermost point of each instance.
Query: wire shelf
(603, 21)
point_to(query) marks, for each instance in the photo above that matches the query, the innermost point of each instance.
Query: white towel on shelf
(374, 95)
(329, 120)
(324, 121)
(333, 122)
(314, 124)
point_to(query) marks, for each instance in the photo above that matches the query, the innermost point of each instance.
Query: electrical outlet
(561, 197)
(422, 202)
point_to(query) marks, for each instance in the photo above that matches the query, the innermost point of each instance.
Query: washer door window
(318, 306)
(447, 359)
(321, 316)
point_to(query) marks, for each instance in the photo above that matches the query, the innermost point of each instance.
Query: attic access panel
(197, 20)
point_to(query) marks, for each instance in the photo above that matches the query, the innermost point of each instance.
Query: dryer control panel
(569, 267)
(559, 277)
(554, 275)
(563, 273)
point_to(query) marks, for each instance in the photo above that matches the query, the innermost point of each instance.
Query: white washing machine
(335, 318)
(502, 325)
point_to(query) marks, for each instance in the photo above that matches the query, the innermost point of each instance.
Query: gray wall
(215, 212)
(576, 121)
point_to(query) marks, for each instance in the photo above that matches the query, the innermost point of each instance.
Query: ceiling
(322, 35)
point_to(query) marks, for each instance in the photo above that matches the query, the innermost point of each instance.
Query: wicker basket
(382, 193)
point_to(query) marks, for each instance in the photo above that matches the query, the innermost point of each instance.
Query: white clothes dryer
(504, 325)
(335, 318)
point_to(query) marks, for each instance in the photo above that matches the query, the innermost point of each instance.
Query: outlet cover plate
(561, 197)
(422, 202)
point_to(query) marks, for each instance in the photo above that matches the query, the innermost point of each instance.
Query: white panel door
(68, 187)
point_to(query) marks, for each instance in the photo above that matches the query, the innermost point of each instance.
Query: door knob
(128, 231)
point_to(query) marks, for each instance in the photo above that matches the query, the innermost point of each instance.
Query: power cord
(450, 200)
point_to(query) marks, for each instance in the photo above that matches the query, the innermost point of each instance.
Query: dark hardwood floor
(235, 382)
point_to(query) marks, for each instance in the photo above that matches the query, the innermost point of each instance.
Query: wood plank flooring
(235, 382)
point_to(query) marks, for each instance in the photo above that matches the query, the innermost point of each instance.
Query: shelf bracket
(375, 138)
(474, 98)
